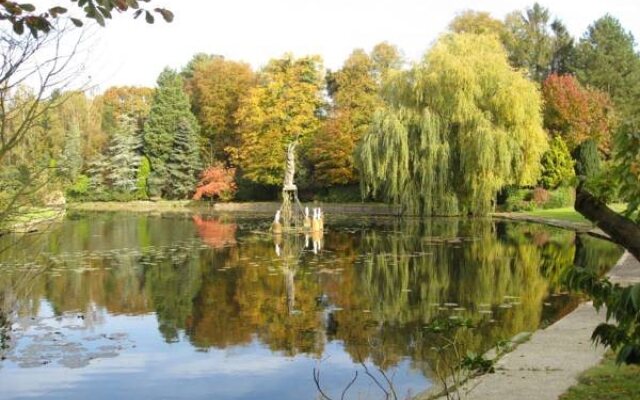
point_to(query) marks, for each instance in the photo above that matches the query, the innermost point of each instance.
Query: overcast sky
(129, 52)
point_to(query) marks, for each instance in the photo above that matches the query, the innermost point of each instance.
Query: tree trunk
(621, 230)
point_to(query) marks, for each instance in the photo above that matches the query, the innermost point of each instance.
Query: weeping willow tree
(457, 128)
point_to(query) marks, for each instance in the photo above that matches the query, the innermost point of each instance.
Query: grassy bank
(607, 381)
(568, 213)
(143, 206)
(29, 220)
(256, 207)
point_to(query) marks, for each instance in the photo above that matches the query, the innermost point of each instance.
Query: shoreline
(35, 224)
(249, 207)
(577, 227)
(551, 361)
(270, 207)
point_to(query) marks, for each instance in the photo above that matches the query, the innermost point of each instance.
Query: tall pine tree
(123, 157)
(170, 114)
(71, 160)
(606, 59)
(184, 163)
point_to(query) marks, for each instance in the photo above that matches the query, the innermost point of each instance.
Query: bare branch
(20, 64)
(344, 392)
(316, 379)
(375, 380)
(390, 383)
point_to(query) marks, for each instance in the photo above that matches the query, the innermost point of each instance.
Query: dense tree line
(493, 105)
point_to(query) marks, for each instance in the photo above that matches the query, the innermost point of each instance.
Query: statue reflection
(289, 249)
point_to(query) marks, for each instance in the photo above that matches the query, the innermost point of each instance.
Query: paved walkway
(551, 361)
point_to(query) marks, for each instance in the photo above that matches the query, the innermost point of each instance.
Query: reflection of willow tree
(407, 277)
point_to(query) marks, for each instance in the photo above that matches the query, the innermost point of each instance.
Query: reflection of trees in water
(405, 280)
(251, 296)
(214, 232)
(374, 289)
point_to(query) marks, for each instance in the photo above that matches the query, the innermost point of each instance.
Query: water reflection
(364, 291)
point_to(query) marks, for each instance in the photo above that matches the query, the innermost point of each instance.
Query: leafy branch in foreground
(26, 15)
(621, 330)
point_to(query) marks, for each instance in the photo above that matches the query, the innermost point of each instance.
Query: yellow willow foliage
(468, 126)
(405, 159)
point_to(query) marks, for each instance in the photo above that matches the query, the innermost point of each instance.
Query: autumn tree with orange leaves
(217, 181)
(577, 113)
(216, 86)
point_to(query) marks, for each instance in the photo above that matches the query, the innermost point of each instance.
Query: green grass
(607, 381)
(569, 213)
(34, 214)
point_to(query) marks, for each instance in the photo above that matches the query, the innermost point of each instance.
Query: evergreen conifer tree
(96, 170)
(606, 59)
(184, 162)
(71, 162)
(170, 113)
(123, 157)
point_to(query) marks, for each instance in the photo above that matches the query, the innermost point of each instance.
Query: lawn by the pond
(28, 216)
(569, 213)
(607, 381)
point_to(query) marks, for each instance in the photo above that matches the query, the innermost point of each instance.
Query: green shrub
(142, 177)
(519, 200)
(561, 197)
(588, 161)
(250, 191)
(557, 165)
(339, 194)
(80, 188)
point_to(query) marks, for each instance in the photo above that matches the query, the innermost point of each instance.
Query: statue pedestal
(290, 202)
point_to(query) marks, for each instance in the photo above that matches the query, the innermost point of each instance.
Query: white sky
(131, 52)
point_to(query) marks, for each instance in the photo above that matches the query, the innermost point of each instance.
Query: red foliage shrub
(577, 113)
(217, 181)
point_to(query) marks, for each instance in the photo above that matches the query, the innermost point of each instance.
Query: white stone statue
(290, 168)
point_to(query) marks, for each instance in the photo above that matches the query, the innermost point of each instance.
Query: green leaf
(166, 14)
(58, 10)
(55, 11)
(148, 17)
(624, 354)
(27, 7)
(105, 13)
(95, 14)
(77, 22)
(18, 27)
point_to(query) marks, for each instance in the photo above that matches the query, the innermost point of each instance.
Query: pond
(119, 305)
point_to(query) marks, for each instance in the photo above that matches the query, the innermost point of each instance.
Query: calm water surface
(117, 305)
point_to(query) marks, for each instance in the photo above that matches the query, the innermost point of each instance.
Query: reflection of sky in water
(148, 367)
(210, 285)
